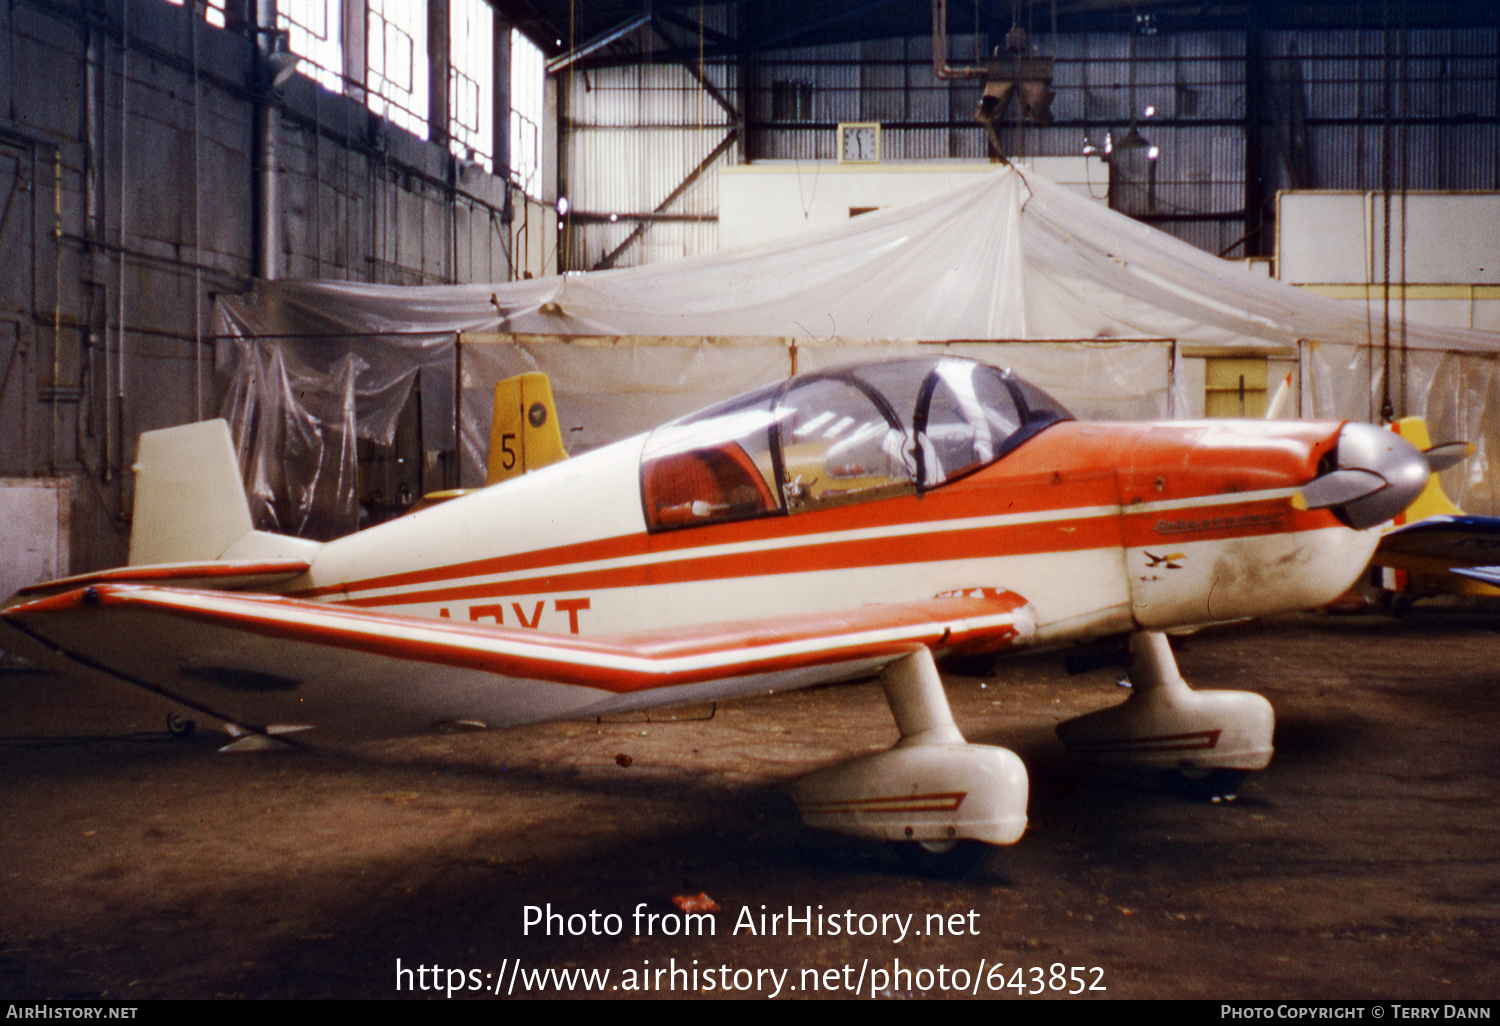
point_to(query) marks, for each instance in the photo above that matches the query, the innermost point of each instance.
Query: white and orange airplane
(840, 524)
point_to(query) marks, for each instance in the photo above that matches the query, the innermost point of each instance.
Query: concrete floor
(1364, 863)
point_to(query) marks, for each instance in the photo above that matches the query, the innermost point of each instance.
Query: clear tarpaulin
(297, 407)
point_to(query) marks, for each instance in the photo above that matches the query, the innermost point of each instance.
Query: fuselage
(1102, 527)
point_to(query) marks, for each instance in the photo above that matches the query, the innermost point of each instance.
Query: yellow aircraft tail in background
(524, 435)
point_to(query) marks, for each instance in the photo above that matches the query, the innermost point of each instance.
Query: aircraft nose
(1375, 475)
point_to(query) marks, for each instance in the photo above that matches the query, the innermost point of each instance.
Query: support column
(556, 171)
(501, 87)
(356, 40)
(439, 29)
(1256, 228)
(267, 243)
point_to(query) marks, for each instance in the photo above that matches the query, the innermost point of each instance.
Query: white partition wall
(1444, 247)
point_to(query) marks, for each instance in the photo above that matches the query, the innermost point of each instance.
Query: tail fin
(525, 434)
(1281, 402)
(189, 501)
(190, 504)
(1433, 501)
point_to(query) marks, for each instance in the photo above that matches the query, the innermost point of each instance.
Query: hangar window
(528, 77)
(471, 88)
(213, 11)
(396, 62)
(313, 33)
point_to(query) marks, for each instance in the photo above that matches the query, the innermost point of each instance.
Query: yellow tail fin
(525, 434)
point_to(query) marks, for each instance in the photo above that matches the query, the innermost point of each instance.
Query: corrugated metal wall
(1445, 104)
(1321, 100)
(633, 136)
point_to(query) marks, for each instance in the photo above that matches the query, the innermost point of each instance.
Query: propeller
(1375, 475)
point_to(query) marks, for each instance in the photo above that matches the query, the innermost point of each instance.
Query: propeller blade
(1448, 454)
(1340, 487)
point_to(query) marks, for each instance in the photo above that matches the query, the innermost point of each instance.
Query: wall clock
(859, 142)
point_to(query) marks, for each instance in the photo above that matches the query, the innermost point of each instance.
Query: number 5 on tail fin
(524, 435)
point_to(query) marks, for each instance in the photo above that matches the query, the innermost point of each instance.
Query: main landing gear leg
(1204, 741)
(939, 797)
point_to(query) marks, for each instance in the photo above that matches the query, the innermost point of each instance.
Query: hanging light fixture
(281, 62)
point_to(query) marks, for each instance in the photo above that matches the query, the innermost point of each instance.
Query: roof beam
(599, 42)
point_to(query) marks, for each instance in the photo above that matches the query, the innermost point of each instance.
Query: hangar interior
(336, 223)
(165, 160)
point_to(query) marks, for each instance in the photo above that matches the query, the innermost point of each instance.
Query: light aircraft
(837, 525)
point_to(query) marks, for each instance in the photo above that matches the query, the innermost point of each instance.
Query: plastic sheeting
(1009, 257)
(297, 407)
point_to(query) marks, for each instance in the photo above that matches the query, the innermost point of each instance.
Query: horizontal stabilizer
(224, 575)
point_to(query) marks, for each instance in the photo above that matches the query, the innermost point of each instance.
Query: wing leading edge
(1441, 543)
(257, 660)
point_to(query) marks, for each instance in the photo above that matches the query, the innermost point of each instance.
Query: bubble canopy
(843, 435)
